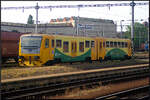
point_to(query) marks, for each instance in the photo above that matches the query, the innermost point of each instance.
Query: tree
(140, 34)
(30, 20)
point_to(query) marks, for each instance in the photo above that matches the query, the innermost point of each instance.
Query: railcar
(10, 45)
(44, 49)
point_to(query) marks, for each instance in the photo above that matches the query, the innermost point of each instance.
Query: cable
(74, 6)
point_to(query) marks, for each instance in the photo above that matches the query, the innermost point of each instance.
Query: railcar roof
(113, 39)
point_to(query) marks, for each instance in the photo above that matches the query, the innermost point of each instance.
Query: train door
(52, 46)
(93, 50)
(100, 49)
(103, 48)
(129, 48)
(73, 48)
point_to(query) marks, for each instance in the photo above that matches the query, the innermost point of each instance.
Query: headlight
(36, 57)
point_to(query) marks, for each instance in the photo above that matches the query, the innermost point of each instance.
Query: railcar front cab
(118, 49)
(35, 49)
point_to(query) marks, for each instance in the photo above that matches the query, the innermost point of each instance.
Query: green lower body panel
(66, 58)
(116, 54)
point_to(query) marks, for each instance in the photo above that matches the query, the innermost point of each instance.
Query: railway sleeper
(71, 86)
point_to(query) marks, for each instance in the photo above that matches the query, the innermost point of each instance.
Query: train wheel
(70, 63)
(88, 59)
(100, 59)
(3, 61)
(16, 60)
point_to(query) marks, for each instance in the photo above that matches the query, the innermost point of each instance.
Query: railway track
(129, 94)
(15, 64)
(52, 85)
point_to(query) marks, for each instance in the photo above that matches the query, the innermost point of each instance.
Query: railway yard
(75, 54)
(128, 79)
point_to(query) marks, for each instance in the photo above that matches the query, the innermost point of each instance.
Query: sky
(45, 15)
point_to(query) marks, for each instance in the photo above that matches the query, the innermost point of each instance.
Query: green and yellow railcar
(44, 49)
(40, 49)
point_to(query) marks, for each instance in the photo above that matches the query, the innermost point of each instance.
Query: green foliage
(140, 34)
(30, 20)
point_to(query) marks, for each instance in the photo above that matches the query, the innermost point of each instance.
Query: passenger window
(46, 43)
(107, 44)
(58, 43)
(65, 46)
(119, 45)
(92, 44)
(52, 43)
(111, 44)
(81, 46)
(126, 44)
(122, 43)
(87, 44)
(115, 44)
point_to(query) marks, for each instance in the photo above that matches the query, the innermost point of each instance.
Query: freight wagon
(9, 45)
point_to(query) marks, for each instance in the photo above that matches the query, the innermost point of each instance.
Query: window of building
(58, 43)
(65, 46)
(111, 44)
(107, 44)
(126, 44)
(46, 43)
(122, 43)
(52, 43)
(92, 44)
(87, 44)
(81, 46)
(115, 44)
(119, 44)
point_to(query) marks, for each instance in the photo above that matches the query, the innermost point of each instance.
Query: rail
(124, 93)
(105, 77)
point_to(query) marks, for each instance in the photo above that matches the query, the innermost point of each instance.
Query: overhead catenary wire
(74, 6)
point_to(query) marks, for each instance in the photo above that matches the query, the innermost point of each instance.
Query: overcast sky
(45, 15)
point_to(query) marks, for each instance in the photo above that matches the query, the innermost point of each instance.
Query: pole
(78, 22)
(148, 31)
(132, 4)
(36, 27)
(121, 27)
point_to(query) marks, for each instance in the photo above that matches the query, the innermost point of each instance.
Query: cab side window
(53, 44)
(46, 43)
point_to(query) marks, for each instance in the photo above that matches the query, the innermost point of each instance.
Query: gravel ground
(18, 72)
(101, 90)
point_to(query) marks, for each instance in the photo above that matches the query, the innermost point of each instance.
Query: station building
(73, 26)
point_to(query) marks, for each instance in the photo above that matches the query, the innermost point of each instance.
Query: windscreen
(31, 44)
(31, 41)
